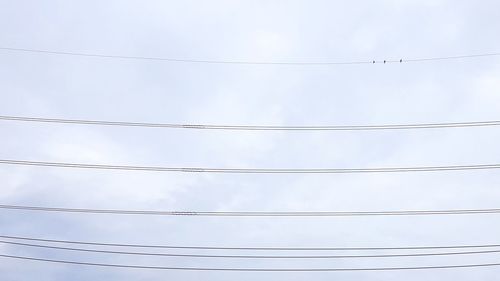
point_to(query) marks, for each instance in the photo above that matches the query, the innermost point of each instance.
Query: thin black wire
(451, 57)
(249, 256)
(178, 59)
(253, 214)
(296, 63)
(249, 269)
(255, 127)
(250, 248)
(253, 170)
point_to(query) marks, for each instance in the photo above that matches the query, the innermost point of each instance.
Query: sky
(52, 86)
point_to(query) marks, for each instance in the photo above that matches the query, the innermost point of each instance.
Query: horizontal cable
(255, 127)
(296, 63)
(253, 170)
(249, 256)
(450, 57)
(249, 248)
(253, 214)
(249, 269)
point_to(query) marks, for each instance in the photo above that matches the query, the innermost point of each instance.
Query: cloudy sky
(154, 91)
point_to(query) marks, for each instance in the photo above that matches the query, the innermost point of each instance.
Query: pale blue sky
(148, 91)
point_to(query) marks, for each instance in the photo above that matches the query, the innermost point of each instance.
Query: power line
(254, 213)
(255, 127)
(249, 269)
(249, 256)
(253, 170)
(241, 62)
(450, 57)
(249, 248)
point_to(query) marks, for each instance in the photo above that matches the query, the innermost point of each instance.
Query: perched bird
(384, 61)
(401, 60)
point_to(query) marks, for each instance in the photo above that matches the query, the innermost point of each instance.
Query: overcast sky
(154, 91)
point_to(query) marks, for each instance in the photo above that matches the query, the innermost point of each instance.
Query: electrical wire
(249, 248)
(284, 63)
(254, 214)
(249, 269)
(253, 170)
(255, 127)
(249, 256)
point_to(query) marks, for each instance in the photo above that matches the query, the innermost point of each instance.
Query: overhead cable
(249, 269)
(249, 248)
(244, 62)
(254, 170)
(254, 213)
(255, 127)
(249, 256)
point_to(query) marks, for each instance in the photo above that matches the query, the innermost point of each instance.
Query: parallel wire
(284, 63)
(249, 256)
(254, 127)
(249, 248)
(249, 269)
(253, 170)
(255, 213)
